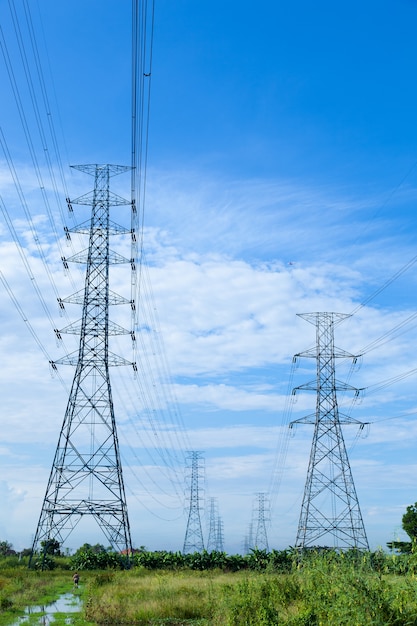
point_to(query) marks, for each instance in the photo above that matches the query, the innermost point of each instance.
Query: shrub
(88, 559)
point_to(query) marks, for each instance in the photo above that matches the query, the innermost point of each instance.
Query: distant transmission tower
(86, 475)
(248, 541)
(212, 533)
(261, 539)
(193, 541)
(215, 539)
(330, 514)
(220, 535)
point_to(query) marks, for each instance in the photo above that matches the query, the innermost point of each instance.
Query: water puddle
(67, 603)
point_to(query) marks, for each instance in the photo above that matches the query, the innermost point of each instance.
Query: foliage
(6, 549)
(409, 524)
(258, 560)
(44, 562)
(97, 548)
(51, 547)
(91, 558)
(409, 521)
(403, 547)
(289, 587)
(321, 588)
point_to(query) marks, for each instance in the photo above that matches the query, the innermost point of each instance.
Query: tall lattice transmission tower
(330, 513)
(86, 476)
(193, 541)
(261, 510)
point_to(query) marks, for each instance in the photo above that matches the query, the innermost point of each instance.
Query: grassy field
(306, 597)
(324, 589)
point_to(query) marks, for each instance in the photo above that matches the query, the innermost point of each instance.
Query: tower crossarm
(337, 385)
(113, 329)
(85, 227)
(78, 298)
(88, 256)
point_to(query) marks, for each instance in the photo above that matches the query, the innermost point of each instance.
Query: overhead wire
(32, 151)
(30, 327)
(47, 106)
(281, 452)
(44, 143)
(151, 378)
(38, 117)
(138, 229)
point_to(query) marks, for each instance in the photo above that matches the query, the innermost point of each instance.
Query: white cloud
(222, 321)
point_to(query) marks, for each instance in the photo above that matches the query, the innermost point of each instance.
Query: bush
(88, 559)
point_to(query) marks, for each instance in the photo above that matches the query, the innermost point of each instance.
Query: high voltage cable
(171, 400)
(283, 442)
(28, 136)
(386, 337)
(29, 326)
(141, 168)
(390, 381)
(393, 278)
(45, 97)
(25, 125)
(142, 45)
(36, 109)
(145, 309)
(139, 165)
(26, 264)
(157, 443)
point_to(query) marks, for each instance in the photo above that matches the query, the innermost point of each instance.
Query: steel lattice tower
(261, 539)
(220, 535)
(248, 541)
(330, 514)
(86, 475)
(193, 541)
(212, 533)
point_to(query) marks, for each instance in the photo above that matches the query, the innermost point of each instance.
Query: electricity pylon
(193, 541)
(215, 541)
(86, 476)
(212, 533)
(248, 541)
(219, 535)
(330, 514)
(261, 539)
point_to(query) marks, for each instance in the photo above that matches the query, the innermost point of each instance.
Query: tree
(6, 548)
(96, 557)
(409, 524)
(51, 546)
(96, 549)
(409, 521)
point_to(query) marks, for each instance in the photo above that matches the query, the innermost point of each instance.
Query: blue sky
(281, 179)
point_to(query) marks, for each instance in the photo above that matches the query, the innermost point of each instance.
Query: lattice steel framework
(193, 541)
(248, 540)
(330, 513)
(212, 531)
(219, 535)
(86, 476)
(261, 538)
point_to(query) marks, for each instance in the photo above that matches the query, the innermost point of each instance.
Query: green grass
(321, 589)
